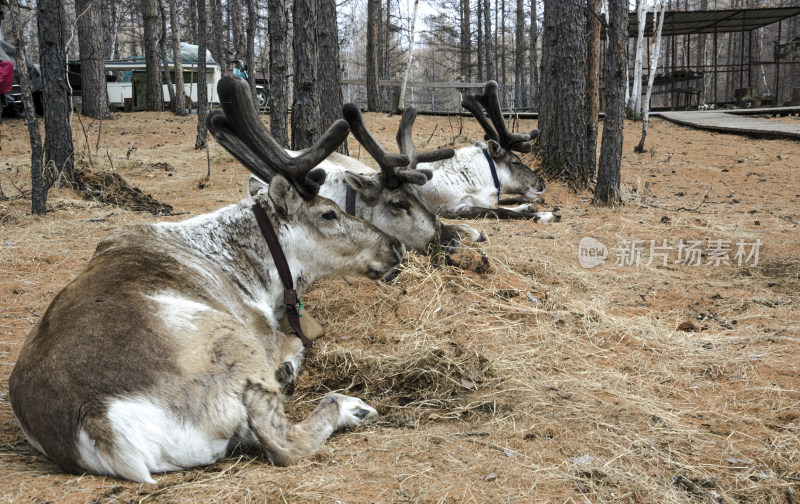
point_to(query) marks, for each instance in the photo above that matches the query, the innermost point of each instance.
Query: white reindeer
(469, 185)
(389, 198)
(162, 354)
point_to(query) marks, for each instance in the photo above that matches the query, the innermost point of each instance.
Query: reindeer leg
(521, 212)
(516, 200)
(285, 443)
(471, 212)
(462, 231)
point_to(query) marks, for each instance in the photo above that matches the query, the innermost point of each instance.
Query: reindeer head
(392, 199)
(502, 143)
(320, 231)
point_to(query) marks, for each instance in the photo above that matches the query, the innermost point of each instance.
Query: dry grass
(537, 381)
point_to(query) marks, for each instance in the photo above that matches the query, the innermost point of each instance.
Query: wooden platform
(739, 121)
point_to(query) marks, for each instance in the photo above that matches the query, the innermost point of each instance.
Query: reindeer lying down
(162, 354)
(469, 184)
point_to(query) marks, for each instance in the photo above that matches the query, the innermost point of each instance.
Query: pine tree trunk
(250, 58)
(217, 49)
(534, 55)
(487, 41)
(238, 28)
(562, 116)
(154, 93)
(193, 21)
(519, 57)
(330, 87)
(608, 176)
(94, 102)
(479, 10)
(40, 182)
(373, 101)
(278, 66)
(465, 47)
(202, 86)
(501, 25)
(178, 108)
(55, 95)
(306, 127)
(593, 80)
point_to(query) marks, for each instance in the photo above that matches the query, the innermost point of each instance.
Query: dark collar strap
(494, 173)
(349, 199)
(290, 298)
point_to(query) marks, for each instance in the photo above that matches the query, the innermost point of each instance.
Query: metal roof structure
(717, 21)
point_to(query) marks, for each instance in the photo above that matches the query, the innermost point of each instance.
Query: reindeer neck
(231, 240)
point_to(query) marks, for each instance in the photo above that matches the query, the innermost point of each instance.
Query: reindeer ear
(495, 150)
(254, 185)
(367, 186)
(284, 197)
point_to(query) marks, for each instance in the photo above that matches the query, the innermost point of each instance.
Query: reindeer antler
(406, 144)
(239, 129)
(393, 177)
(519, 142)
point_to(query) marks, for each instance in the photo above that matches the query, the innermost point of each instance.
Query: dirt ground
(539, 381)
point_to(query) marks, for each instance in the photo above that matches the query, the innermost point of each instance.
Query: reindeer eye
(398, 205)
(329, 215)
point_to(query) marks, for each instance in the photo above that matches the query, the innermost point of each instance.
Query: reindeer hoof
(352, 411)
(285, 375)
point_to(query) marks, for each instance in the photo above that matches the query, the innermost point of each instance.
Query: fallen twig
(432, 133)
(705, 198)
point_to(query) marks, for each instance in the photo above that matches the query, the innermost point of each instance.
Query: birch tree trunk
(606, 191)
(278, 65)
(162, 49)
(410, 59)
(656, 49)
(178, 108)
(635, 102)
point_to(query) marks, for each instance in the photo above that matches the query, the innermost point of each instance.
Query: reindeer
(162, 354)
(389, 198)
(469, 184)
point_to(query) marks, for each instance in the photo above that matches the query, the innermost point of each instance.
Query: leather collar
(290, 298)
